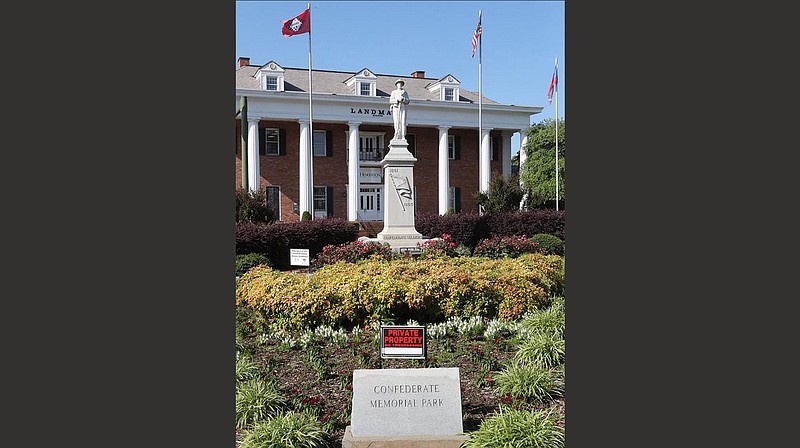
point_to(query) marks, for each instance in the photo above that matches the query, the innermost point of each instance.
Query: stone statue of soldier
(397, 102)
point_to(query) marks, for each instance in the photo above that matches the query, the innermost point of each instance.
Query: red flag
(553, 86)
(476, 35)
(297, 25)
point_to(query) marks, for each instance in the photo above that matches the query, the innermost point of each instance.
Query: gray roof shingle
(296, 80)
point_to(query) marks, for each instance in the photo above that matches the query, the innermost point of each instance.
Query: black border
(415, 327)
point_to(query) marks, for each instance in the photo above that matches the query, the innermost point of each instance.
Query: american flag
(477, 34)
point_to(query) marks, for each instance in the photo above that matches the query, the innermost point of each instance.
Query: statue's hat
(400, 81)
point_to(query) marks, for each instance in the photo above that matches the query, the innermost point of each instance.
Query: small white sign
(299, 257)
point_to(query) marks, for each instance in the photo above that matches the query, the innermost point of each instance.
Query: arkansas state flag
(553, 85)
(297, 25)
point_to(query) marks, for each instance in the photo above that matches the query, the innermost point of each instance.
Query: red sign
(403, 342)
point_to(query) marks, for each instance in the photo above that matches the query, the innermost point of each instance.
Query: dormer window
(363, 83)
(270, 77)
(447, 88)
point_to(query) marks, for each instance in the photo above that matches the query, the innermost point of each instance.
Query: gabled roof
(334, 82)
(363, 73)
(272, 65)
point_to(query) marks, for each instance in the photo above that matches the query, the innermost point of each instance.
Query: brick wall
(332, 171)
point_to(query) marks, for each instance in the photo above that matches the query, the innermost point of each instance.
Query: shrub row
(469, 228)
(426, 290)
(275, 240)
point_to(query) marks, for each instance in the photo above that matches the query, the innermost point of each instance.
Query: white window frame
(325, 197)
(452, 91)
(267, 84)
(451, 147)
(274, 187)
(368, 85)
(324, 144)
(266, 137)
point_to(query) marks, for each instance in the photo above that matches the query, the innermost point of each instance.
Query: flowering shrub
(426, 290)
(440, 247)
(505, 246)
(352, 252)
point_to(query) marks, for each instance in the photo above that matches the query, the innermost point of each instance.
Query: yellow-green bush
(347, 294)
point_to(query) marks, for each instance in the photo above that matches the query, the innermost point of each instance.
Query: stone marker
(405, 408)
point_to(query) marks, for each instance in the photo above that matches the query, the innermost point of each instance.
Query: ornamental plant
(548, 244)
(426, 290)
(247, 261)
(352, 252)
(440, 247)
(257, 400)
(528, 382)
(252, 206)
(292, 429)
(518, 428)
(505, 247)
(542, 349)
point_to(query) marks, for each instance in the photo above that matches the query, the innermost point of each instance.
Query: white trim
(324, 141)
(278, 131)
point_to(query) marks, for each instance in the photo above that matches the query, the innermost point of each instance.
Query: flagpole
(556, 136)
(480, 104)
(310, 123)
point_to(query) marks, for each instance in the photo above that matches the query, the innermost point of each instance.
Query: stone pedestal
(402, 441)
(398, 219)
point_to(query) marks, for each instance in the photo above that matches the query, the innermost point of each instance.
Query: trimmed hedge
(347, 295)
(463, 228)
(470, 228)
(527, 223)
(275, 240)
(548, 244)
(245, 262)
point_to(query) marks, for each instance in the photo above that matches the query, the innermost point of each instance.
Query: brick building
(352, 127)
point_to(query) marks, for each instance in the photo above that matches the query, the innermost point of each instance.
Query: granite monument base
(402, 441)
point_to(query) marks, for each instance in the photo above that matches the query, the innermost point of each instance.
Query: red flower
(348, 387)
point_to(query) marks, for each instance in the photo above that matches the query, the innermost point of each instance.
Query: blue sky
(521, 40)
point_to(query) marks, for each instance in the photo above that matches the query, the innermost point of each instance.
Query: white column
(253, 167)
(484, 161)
(352, 171)
(444, 170)
(306, 191)
(506, 153)
(523, 140)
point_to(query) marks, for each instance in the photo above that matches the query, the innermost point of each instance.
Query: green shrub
(247, 261)
(548, 244)
(443, 246)
(246, 369)
(505, 247)
(256, 400)
(295, 430)
(306, 216)
(517, 429)
(428, 291)
(546, 321)
(531, 383)
(352, 252)
(541, 349)
(252, 206)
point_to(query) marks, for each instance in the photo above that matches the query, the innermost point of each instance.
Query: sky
(521, 40)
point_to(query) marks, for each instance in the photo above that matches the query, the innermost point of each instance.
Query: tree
(538, 172)
(503, 195)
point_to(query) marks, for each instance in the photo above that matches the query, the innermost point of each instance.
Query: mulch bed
(326, 388)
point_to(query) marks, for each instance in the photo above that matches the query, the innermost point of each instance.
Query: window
(449, 94)
(365, 89)
(454, 200)
(272, 82)
(319, 143)
(323, 202)
(451, 147)
(271, 142)
(274, 200)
